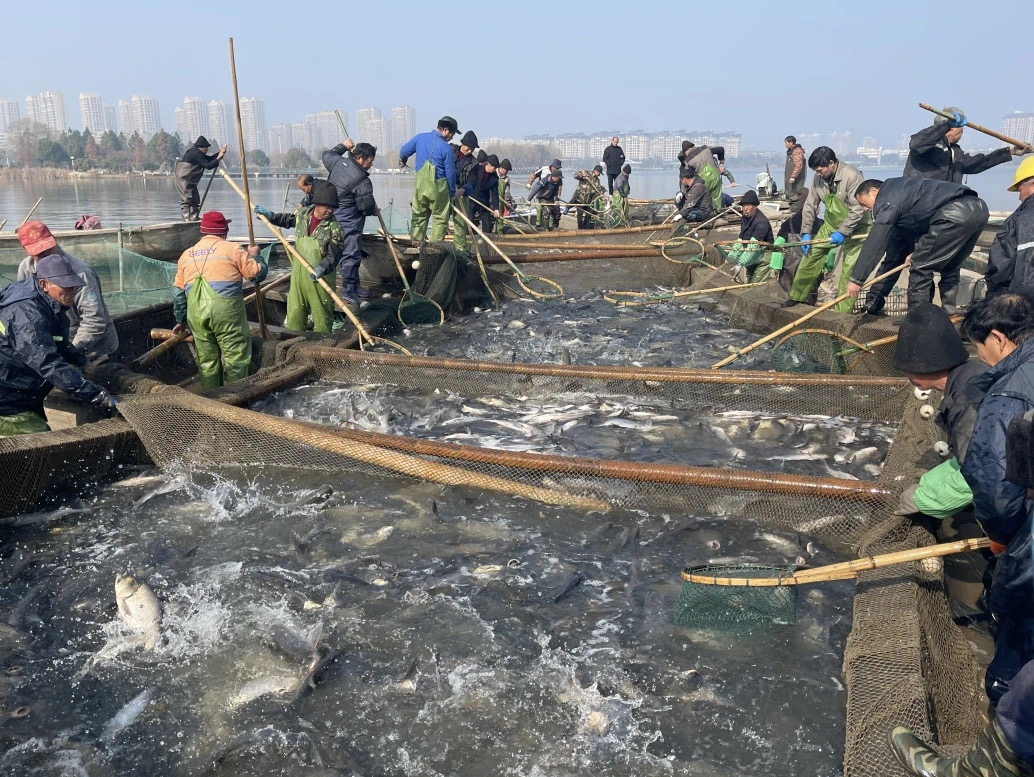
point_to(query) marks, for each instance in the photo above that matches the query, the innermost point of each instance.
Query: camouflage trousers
(991, 756)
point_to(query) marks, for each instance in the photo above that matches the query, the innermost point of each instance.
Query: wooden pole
(211, 178)
(978, 128)
(2, 224)
(259, 306)
(29, 215)
(798, 322)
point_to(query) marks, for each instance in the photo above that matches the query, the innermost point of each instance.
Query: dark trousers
(953, 233)
(351, 222)
(550, 215)
(696, 214)
(610, 182)
(483, 218)
(190, 203)
(901, 245)
(1013, 649)
(585, 218)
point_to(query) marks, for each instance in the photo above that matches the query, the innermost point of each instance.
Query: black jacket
(757, 226)
(354, 188)
(613, 159)
(1010, 265)
(194, 156)
(464, 164)
(960, 403)
(191, 168)
(907, 205)
(482, 186)
(696, 197)
(550, 190)
(930, 156)
(35, 351)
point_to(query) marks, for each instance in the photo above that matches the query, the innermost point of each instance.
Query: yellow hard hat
(1023, 172)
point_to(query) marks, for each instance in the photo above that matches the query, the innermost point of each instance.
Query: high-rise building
(48, 109)
(91, 111)
(192, 119)
(732, 142)
(572, 146)
(300, 135)
(253, 123)
(110, 122)
(1019, 126)
(371, 127)
(403, 125)
(665, 146)
(280, 138)
(125, 117)
(597, 144)
(10, 112)
(842, 143)
(146, 116)
(218, 123)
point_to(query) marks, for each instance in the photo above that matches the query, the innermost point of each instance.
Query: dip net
(906, 663)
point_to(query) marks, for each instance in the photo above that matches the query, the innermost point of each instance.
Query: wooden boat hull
(156, 241)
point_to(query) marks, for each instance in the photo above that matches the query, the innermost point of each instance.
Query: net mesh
(129, 280)
(701, 605)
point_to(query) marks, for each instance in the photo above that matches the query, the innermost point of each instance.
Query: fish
(295, 644)
(176, 484)
(572, 581)
(780, 543)
(18, 614)
(128, 715)
(47, 516)
(408, 682)
(627, 423)
(279, 684)
(139, 610)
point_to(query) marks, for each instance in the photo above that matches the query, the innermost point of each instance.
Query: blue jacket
(1009, 387)
(353, 184)
(432, 147)
(35, 352)
(1015, 713)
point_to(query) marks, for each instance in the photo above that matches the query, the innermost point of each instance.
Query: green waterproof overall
(823, 258)
(306, 297)
(459, 226)
(713, 181)
(430, 202)
(222, 338)
(26, 422)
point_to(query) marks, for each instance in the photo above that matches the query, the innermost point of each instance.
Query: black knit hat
(469, 139)
(506, 165)
(750, 197)
(928, 342)
(324, 193)
(482, 156)
(598, 169)
(202, 142)
(686, 145)
(627, 168)
(493, 160)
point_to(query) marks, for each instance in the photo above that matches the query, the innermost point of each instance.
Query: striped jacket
(223, 264)
(1010, 264)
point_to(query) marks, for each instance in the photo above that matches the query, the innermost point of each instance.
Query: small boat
(156, 241)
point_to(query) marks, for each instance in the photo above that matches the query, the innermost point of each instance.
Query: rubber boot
(991, 756)
(874, 303)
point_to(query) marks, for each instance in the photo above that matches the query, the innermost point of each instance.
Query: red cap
(214, 223)
(35, 238)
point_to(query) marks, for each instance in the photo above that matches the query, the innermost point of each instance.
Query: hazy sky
(768, 68)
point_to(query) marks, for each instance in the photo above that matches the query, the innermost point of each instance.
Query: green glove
(776, 262)
(831, 261)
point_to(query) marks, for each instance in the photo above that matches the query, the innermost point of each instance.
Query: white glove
(678, 217)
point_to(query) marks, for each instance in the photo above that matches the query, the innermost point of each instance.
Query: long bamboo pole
(798, 322)
(997, 135)
(29, 214)
(259, 304)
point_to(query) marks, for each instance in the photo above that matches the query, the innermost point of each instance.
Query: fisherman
(695, 203)
(834, 186)
(1002, 329)
(321, 241)
(794, 176)
(622, 188)
(588, 192)
(188, 174)
(539, 177)
(482, 189)
(786, 261)
(1004, 748)
(613, 159)
(350, 175)
(934, 152)
(304, 184)
(754, 228)
(946, 216)
(209, 301)
(932, 355)
(1010, 265)
(465, 162)
(709, 162)
(90, 325)
(549, 214)
(506, 203)
(435, 182)
(36, 353)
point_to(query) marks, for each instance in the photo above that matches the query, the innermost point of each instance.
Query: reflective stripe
(3, 329)
(1025, 246)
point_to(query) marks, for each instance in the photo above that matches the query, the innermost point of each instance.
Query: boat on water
(164, 241)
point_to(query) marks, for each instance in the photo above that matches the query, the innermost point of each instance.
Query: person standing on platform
(209, 301)
(506, 203)
(435, 182)
(465, 161)
(622, 190)
(188, 174)
(795, 174)
(350, 176)
(613, 159)
(588, 191)
(482, 189)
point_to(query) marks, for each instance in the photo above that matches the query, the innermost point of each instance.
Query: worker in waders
(209, 301)
(188, 173)
(435, 182)
(506, 203)
(622, 189)
(709, 162)
(320, 241)
(464, 161)
(834, 186)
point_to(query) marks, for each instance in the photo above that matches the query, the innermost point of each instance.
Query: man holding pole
(209, 301)
(189, 172)
(350, 175)
(435, 182)
(834, 186)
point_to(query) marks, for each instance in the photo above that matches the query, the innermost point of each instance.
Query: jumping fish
(139, 609)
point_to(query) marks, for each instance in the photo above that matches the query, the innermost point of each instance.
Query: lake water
(136, 201)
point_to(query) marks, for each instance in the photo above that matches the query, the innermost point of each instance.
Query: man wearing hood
(188, 173)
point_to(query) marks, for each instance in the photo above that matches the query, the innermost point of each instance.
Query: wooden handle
(144, 359)
(843, 571)
(798, 322)
(457, 212)
(977, 127)
(29, 214)
(391, 245)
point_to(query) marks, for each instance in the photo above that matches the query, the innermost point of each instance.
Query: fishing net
(703, 605)
(129, 280)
